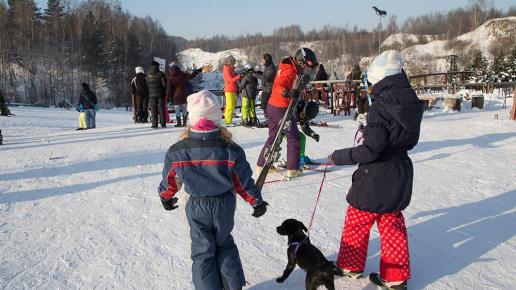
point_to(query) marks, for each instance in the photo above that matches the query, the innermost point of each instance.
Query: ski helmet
(248, 67)
(305, 56)
(310, 110)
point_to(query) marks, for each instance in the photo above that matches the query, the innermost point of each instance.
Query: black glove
(316, 137)
(169, 204)
(199, 70)
(260, 209)
(259, 72)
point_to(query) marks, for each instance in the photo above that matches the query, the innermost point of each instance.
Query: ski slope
(79, 209)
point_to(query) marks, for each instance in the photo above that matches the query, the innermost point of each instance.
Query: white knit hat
(139, 70)
(388, 63)
(203, 105)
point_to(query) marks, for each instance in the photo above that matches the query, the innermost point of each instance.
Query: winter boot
(184, 122)
(292, 173)
(178, 119)
(378, 281)
(337, 271)
(259, 169)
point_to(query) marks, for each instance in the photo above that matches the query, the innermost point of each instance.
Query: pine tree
(480, 68)
(91, 44)
(511, 66)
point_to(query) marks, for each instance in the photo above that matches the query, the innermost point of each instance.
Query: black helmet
(310, 110)
(306, 56)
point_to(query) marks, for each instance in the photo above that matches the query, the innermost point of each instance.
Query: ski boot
(178, 119)
(378, 281)
(292, 173)
(259, 169)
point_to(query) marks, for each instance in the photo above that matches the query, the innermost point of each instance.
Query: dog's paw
(280, 280)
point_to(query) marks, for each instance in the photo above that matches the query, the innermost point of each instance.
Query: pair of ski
(273, 152)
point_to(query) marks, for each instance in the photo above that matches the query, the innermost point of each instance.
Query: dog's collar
(297, 244)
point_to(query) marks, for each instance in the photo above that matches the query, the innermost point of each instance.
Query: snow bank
(79, 209)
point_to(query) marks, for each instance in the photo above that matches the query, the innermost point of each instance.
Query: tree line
(354, 41)
(46, 54)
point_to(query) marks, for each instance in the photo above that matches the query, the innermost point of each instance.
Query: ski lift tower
(380, 13)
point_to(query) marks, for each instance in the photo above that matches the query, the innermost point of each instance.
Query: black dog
(307, 256)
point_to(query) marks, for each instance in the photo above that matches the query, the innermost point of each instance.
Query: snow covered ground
(79, 209)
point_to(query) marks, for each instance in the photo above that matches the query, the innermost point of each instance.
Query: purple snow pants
(275, 114)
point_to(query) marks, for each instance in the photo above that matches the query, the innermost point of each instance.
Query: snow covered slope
(494, 32)
(196, 57)
(403, 40)
(79, 209)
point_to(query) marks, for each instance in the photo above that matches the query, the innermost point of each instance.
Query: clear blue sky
(201, 18)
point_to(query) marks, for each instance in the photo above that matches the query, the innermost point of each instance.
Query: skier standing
(140, 93)
(178, 90)
(289, 68)
(382, 184)
(4, 110)
(230, 89)
(157, 83)
(213, 168)
(248, 87)
(267, 78)
(306, 111)
(88, 102)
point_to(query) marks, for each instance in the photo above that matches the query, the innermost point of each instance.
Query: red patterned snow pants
(394, 263)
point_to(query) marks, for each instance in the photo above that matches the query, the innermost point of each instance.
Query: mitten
(260, 209)
(169, 204)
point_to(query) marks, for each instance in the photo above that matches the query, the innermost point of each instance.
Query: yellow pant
(83, 122)
(231, 99)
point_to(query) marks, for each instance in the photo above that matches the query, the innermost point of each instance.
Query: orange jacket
(285, 77)
(230, 79)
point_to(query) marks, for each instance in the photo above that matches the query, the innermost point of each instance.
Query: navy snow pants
(214, 251)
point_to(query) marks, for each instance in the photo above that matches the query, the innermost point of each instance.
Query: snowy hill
(402, 40)
(79, 209)
(196, 57)
(486, 37)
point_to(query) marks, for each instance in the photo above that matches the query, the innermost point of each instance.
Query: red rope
(318, 196)
(273, 181)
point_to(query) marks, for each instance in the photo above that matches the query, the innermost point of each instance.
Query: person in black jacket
(382, 185)
(157, 84)
(267, 78)
(88, 102)
(140, 93)
(248, 88)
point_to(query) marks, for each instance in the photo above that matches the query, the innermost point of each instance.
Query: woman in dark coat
(177, 90)
(382, 185)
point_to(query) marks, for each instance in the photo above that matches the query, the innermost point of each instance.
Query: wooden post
(513, 110)
(332, 99)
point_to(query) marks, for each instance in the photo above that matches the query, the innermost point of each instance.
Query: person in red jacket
(289, 69)
(230, 88)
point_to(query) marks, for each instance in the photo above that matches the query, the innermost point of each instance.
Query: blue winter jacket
(208, 166)
(383, 181)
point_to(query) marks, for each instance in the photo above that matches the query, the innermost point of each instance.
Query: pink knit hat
(204, 111)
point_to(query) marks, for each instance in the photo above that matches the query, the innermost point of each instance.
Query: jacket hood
(400, 101)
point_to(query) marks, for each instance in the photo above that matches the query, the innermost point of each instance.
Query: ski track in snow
(79, 209)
